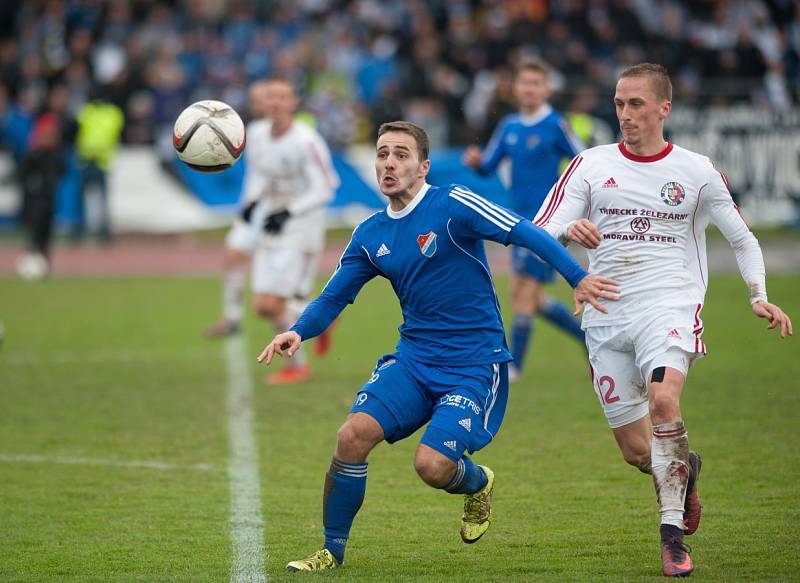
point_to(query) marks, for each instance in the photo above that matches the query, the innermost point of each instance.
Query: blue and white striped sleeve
(476, 217)
(495, 150)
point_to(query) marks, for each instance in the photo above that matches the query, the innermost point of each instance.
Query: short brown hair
(416, 132)
(659, 78)
(535, 65)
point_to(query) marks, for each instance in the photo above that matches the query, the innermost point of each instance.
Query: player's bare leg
(277, 310)
(234, 279)
(475, 482)
(670, 466)
(345, 485)
(634, 442)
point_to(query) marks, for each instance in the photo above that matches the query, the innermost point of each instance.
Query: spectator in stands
(99, 130)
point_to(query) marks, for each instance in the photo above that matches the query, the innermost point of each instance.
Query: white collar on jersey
(535, 118)
(410, 206)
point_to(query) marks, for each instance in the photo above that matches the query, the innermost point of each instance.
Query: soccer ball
(209, 136)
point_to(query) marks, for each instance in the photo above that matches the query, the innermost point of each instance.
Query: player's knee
(664, 406)
(268, 306)
(355, 440)
(435, 469)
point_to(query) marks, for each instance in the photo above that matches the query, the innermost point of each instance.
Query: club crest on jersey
(673, 193)
(427, 243)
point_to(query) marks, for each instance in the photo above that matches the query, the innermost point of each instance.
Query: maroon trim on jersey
(699, 345)
(654, 158)
(321, 164)
(558, 195)
(694, 236)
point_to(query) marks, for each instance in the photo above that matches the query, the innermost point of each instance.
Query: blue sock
(468, 478)
(520, 337)
(559, 315)
(345, 485)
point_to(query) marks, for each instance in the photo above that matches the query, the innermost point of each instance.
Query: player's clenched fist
(585, 233)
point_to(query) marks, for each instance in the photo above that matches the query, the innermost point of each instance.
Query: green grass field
(116, 371)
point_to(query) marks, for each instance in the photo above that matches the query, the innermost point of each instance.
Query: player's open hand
(775, 315)
(585, 233)
(285, 343)
(593, 288)
(472, 157)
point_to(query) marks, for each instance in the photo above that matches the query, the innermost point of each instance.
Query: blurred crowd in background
(445, 64)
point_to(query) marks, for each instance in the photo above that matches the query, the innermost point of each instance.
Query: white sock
(233, 283)
(670, 456)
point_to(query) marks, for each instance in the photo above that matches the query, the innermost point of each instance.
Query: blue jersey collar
(410, 206)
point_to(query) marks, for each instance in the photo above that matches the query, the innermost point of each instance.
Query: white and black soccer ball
(209, 136)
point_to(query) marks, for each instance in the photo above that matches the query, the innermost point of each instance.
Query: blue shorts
(526, 262)
(464, 404)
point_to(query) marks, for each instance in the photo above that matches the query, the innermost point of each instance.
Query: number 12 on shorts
(605, 388)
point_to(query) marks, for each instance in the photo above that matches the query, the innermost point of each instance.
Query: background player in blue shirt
(449, 369)
(536, 140)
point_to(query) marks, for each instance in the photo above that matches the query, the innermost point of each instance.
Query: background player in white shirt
(641, 208)
(237, 256)
(289, 181)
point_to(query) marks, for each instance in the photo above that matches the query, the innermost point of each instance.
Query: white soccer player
(641, 208)
(289, 182)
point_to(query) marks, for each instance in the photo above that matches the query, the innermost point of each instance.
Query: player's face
(257, 97)
(279, 101)
(397, 164)
(641, 113)
(531, 89)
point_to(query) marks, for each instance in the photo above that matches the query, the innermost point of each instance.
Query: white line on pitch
(105, 355)
(248, 562)
(42, 459)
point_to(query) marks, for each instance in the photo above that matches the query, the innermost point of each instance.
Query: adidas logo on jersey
(466, 424)
(673, 334)
(450, 444)
(610, 183)
(382, 250)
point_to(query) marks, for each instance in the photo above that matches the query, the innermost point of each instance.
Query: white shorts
(285, 272)
(245, 236)
(623, 357)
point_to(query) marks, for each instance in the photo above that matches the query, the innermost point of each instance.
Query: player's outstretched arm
(285, 342)
(585, 233)
(776, 316)
(593, 288)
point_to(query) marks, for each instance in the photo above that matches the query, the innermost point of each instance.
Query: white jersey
(652, 213)
(291, 172)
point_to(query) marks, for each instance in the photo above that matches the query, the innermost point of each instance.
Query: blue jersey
(433, 254)
(536, 145)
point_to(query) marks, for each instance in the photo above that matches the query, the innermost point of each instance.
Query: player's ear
(666, 108)
(424, 168)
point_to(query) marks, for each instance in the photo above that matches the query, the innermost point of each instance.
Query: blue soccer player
(536, 140)
(449, 369)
